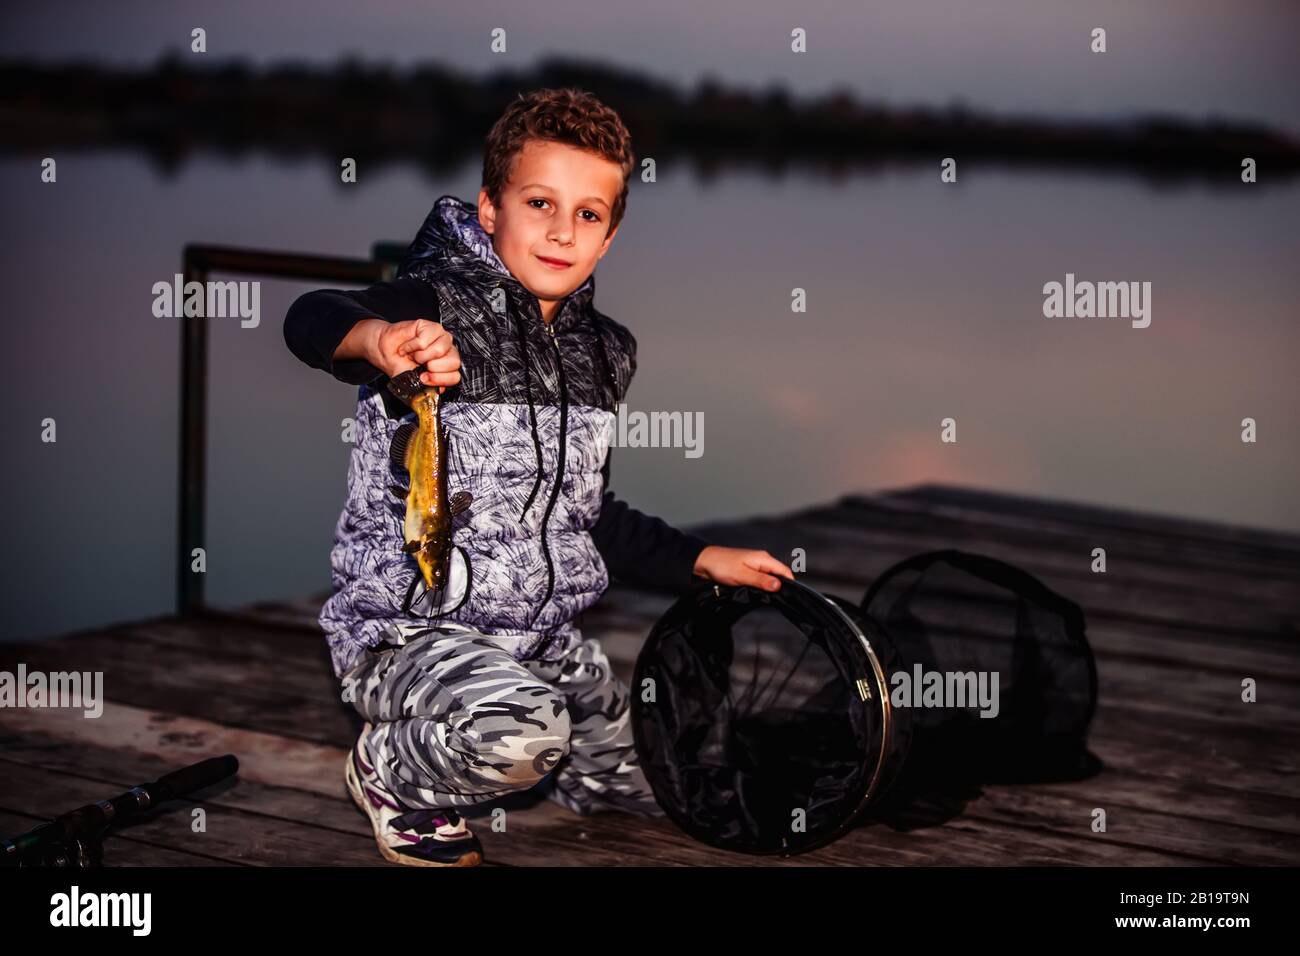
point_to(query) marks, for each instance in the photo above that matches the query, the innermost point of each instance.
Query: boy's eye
(595, 215)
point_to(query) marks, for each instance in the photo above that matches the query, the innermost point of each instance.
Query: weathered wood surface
(1192, 775)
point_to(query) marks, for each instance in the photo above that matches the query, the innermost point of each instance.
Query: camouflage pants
(457, 721)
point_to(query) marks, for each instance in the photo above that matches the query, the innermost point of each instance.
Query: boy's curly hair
(568, 115)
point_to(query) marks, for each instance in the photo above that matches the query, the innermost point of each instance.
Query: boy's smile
(553, 221)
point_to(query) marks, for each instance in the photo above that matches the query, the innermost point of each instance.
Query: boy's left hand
(741, 566)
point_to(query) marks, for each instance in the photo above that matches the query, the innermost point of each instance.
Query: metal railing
(199, 263)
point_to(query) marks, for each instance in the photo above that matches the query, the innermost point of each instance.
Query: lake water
(924, 302)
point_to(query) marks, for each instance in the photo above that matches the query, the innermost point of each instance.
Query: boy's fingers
(440, 378)
(749, 574)
(431, 336)
(413, 344)
(424, 333)
(428, 353)
(765, 562)
(760, 580)
(427, 331)
(768, 571)
(447, 363)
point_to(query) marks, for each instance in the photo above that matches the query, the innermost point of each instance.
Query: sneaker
(412, 837)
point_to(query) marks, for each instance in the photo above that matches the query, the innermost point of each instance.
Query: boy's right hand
(395, 347)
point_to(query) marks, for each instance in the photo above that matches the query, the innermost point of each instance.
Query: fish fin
(398, 491)
(459, 502)
(401, 440)
(411, 547)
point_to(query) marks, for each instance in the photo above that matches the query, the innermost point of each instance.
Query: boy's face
(556, 205)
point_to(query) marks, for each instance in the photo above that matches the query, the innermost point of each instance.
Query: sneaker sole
(472, 858)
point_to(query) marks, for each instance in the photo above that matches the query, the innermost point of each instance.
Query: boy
(487, 687)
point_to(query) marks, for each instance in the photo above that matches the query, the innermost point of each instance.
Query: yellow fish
(421, 448)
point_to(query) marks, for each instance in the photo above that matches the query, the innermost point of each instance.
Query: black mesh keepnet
(956, 612)
(756, 715)
(766, 731)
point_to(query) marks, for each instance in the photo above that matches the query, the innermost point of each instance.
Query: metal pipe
(198, 263)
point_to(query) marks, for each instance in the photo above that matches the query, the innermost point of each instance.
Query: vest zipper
(559, 479)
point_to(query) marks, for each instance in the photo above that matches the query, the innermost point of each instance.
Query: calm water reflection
(924, 301)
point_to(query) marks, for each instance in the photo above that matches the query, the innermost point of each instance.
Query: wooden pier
(1192, 775)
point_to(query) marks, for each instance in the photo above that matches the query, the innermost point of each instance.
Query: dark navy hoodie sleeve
(641, 550)
(318, 321)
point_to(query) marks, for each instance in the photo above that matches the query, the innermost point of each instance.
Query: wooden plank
(860, 530)
(283, 779)
(1005, 503)
(303, 689)
(1134, 827)
(253, 659)
(1235, 757)
(1186, 693)
(910, 528)
(1178, 649)
(543, 835)
(299, 613)
(850, 561)
(1192, 774)
(922, 517)
(295, 697)
(232, 835)
(1140, 758)
(1124, 783)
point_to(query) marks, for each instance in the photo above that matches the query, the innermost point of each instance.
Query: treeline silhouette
(438, 118)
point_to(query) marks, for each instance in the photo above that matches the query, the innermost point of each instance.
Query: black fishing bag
(772, 722)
